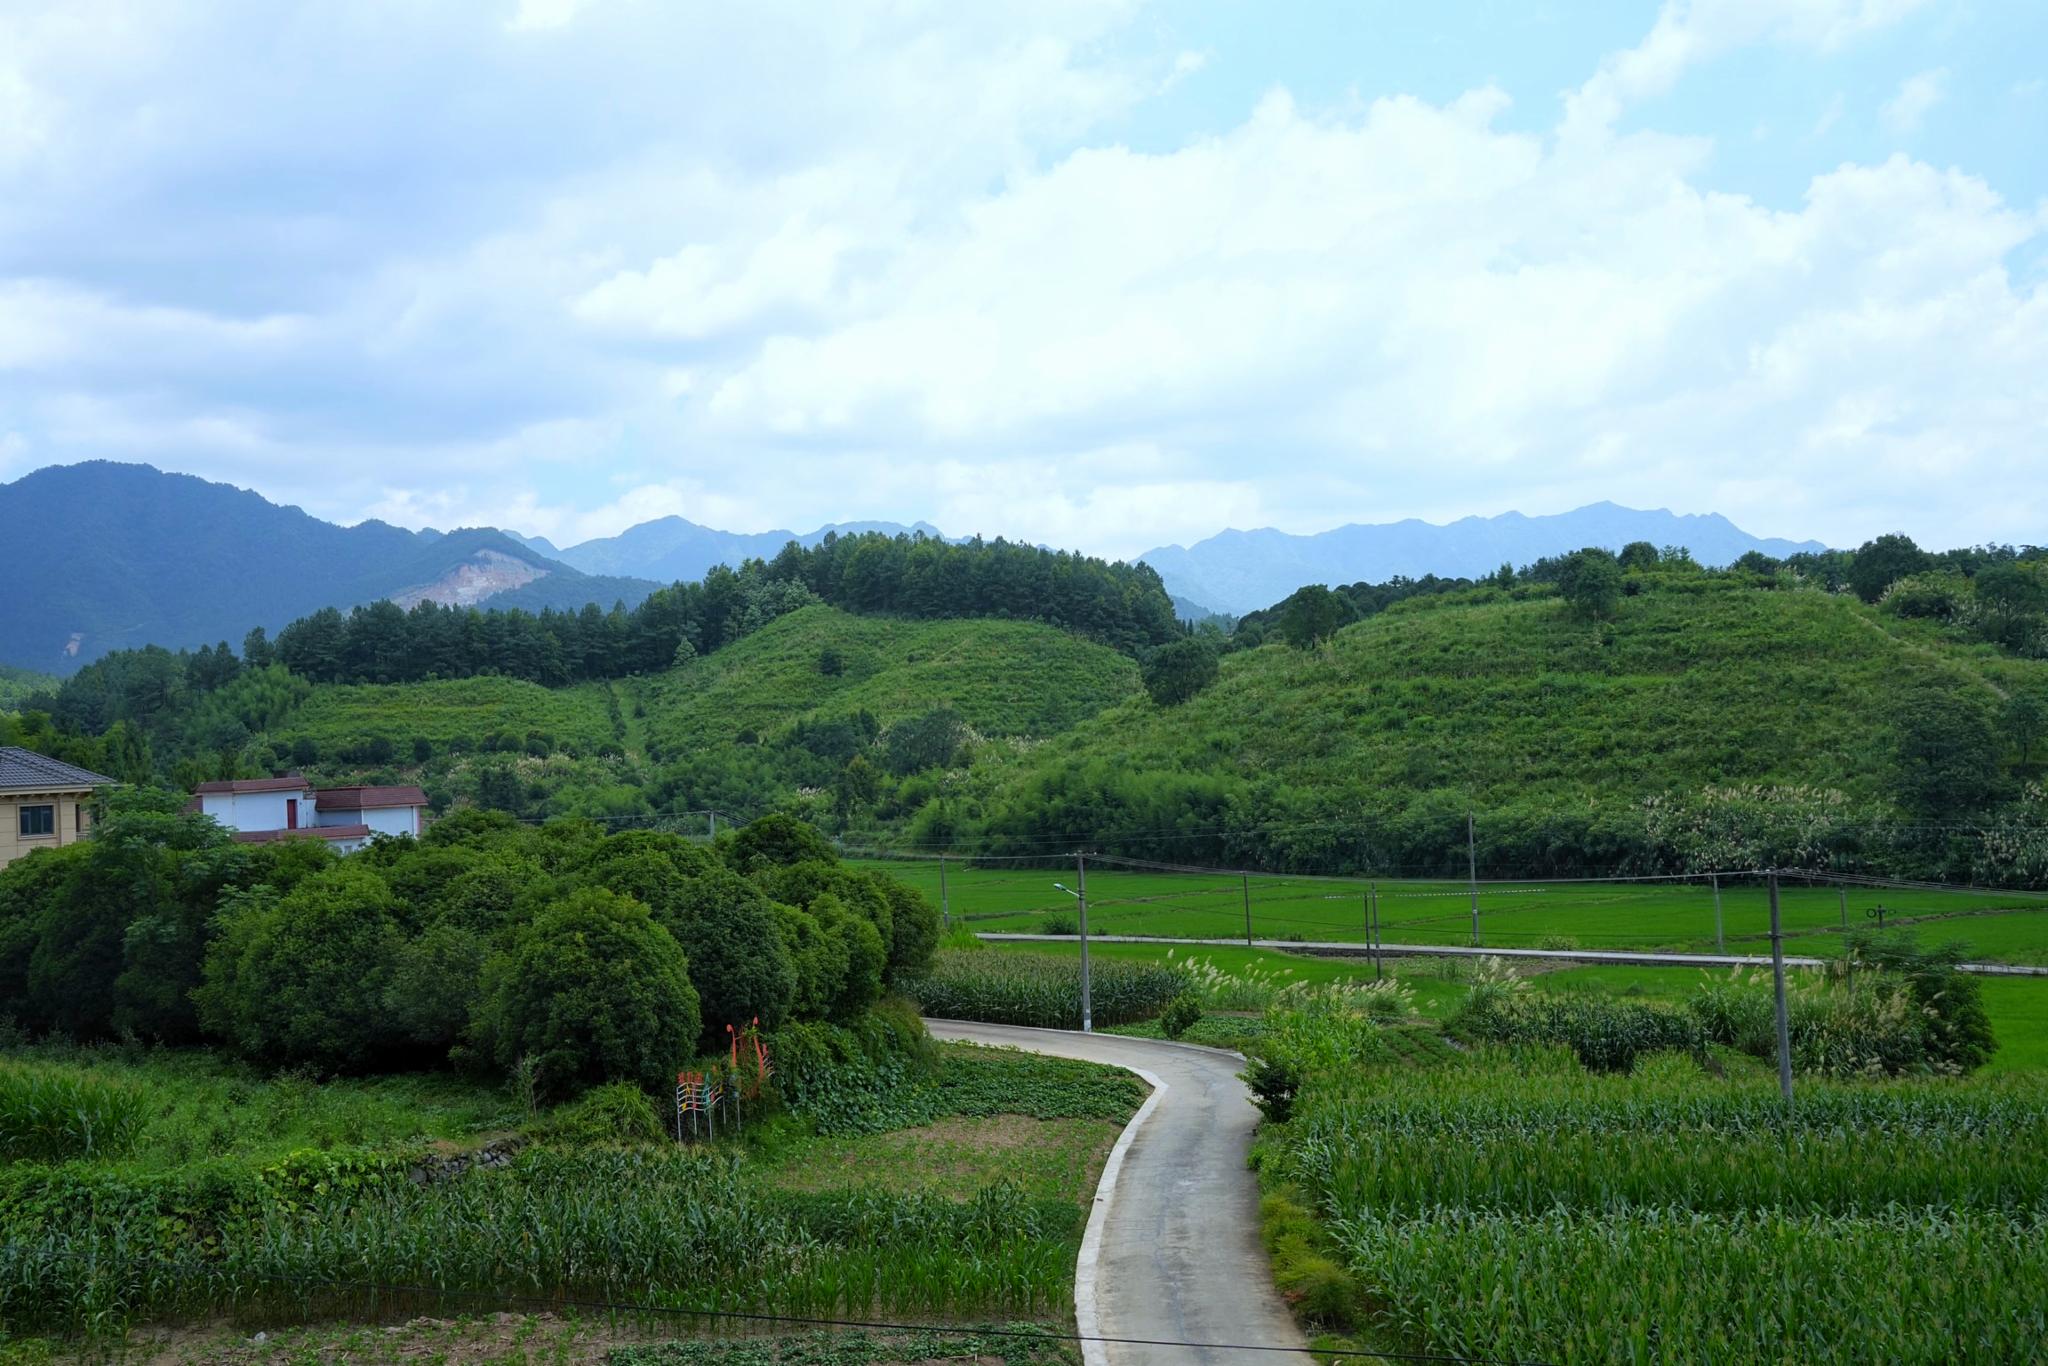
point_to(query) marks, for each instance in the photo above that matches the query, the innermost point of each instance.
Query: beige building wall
(73, 813)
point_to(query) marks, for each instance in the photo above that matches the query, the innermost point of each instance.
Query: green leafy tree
(1880, 563)
(739, 962)
(775, 841)
(2025, 715)
(1177, 672)
(867, 957)
(1639, 555)
(435, 981)
(304, 977)
(591, 991)
(1947, 756)
(2014, 601)
(933, 739)
(1590, 581)
(858, 786)
(1311, 615)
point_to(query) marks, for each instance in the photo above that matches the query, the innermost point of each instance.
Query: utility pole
(1778, 990)
(1372, 899)
(945, 906)
(1245, 879)
(1720, 941)
(1842, 895)
(1472, 876)
(1081, 897)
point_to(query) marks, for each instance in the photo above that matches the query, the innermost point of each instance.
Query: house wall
(255, 810)
(68, 813)
(382, 820)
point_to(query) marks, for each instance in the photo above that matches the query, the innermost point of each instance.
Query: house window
(38, 820)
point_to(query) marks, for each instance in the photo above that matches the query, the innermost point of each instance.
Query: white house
(262, 809)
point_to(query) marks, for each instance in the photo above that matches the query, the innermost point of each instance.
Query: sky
(1106, 275)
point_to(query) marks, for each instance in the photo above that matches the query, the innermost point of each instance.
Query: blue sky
(1105, 274)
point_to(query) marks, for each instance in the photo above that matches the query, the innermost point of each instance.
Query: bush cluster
(577, 956)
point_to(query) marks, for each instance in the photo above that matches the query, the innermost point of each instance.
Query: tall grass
(1042, 990)
(56, 1114)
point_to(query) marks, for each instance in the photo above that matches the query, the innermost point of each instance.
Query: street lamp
(1081, 900)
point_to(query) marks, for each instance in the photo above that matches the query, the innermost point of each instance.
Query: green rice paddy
(1672, 915)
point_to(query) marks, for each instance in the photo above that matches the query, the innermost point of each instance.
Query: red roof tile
(238, 786)
(367, 798)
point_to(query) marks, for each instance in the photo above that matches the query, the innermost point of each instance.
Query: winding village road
(1172, 1252)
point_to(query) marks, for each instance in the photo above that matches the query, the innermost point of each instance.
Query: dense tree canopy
(594, 957)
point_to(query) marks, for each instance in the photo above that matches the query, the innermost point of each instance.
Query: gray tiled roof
(25, 768)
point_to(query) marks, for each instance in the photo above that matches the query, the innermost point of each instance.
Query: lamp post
(1081, 900)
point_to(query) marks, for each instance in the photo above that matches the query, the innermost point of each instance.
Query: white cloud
(1904, 112)
(1689, 32)
(784, 265)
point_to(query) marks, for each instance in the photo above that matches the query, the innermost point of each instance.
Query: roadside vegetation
(1576, 1175)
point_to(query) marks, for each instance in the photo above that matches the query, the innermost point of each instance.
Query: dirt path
(1172, 1252)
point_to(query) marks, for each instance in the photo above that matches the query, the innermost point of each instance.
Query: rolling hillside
(1706, 705)
(1004, 678)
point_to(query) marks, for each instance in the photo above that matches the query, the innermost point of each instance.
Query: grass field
(2007, 927)
(340, 719)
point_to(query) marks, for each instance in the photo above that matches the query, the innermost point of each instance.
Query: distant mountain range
(102, 556)
(671, 549)
(1241, 571)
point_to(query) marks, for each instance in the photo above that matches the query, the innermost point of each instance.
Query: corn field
(1516, 1205)
(51, 1115)
(1041, 990)
(671, 1229)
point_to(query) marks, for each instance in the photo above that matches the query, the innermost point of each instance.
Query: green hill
(377, 723)
(1004, 678)
(786, 708)
(1711, 720)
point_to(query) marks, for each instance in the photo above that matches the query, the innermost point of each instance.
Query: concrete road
(1172, 1252)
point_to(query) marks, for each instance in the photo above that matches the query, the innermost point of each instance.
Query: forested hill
(205, 713)
(101, 556)
(1685, 719)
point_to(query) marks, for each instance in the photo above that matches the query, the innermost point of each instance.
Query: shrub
(1886, 1008)
(1180, 1015)
(1059, 922)
(1958, 1031)
(595, 991)
(618, 1112)
(1605, 1035)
